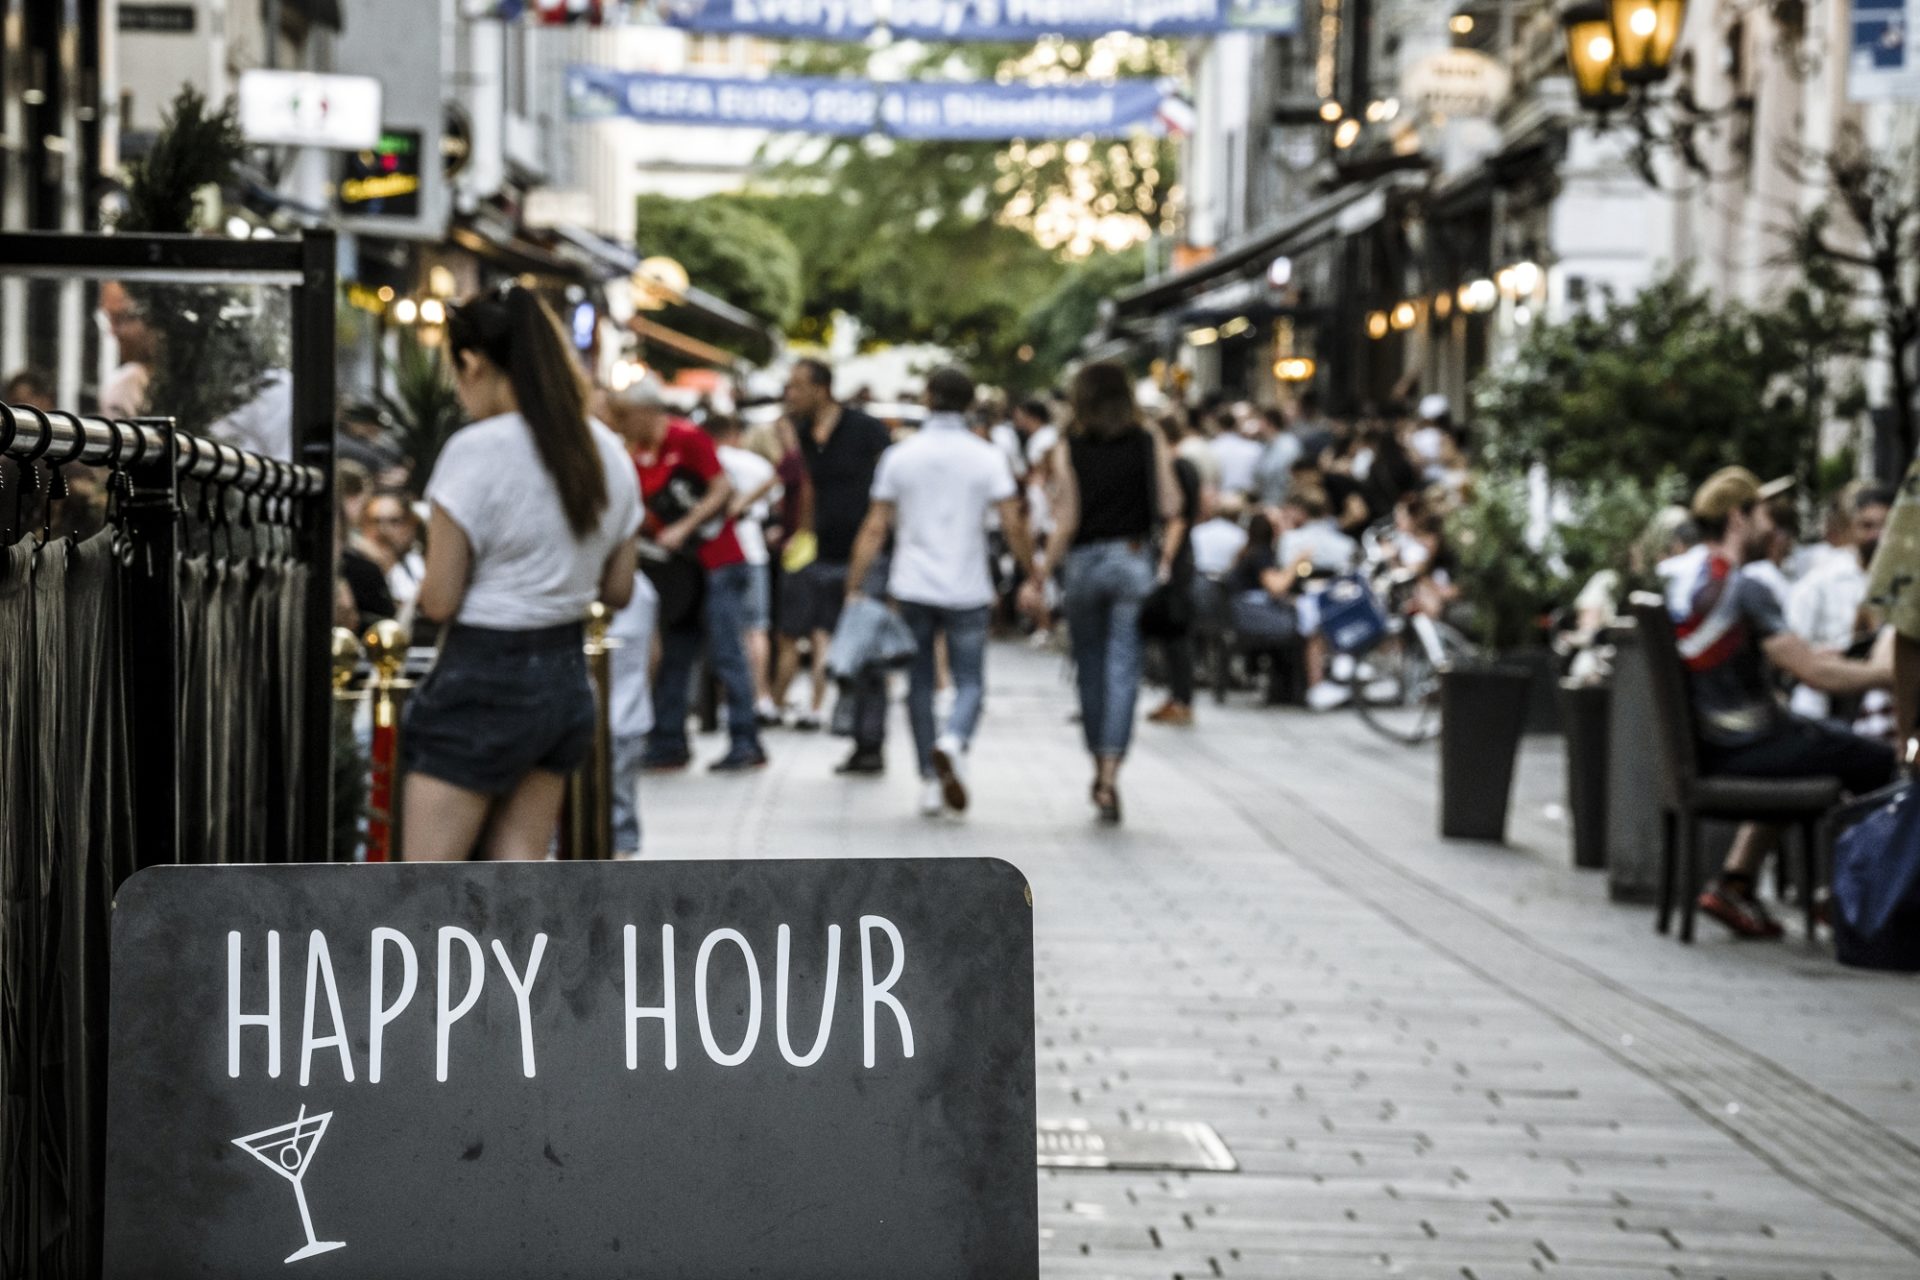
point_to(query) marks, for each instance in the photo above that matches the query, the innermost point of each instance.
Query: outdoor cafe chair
(1687, 799)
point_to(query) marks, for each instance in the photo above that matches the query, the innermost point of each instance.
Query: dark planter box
(1543, 671)
(1585, 714)
(1483, 712)
(1633, 832)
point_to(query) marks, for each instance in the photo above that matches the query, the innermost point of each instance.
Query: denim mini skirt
(498, 705)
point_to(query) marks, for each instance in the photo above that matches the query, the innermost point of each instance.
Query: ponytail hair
(519, 333)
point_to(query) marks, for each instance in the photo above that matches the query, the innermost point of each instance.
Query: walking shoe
(807, 722)
(766, 714)
(932, 802)
(665, 761)
(1174, 713)
(1740, 912)
(1327, 695)
(739, 760)
(862, 764)
(949, 766)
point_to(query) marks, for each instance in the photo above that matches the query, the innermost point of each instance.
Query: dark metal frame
(308, 267)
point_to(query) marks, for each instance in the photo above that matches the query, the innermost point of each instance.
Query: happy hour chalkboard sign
(697, 1069)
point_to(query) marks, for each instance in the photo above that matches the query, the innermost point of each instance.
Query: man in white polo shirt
(934, 491)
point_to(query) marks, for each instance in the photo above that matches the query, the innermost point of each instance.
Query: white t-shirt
(1322, 543)
(1236, 456)
(747, 471)
(942, 481)
(529, 571)
(1216, 544)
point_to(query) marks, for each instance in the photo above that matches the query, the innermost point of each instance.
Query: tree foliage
(1864, 243)
(956, 243)
(728, 250)
(1061, 320)
(1668, 380)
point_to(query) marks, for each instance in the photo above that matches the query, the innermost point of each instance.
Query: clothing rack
(59, 438)
(165, 697)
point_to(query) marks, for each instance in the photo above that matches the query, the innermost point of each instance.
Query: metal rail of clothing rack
(58, 438)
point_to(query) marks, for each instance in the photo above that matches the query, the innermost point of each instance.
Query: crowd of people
(741, 535)
(747, 545)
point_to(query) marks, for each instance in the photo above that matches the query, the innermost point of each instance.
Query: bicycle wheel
(1397, 689)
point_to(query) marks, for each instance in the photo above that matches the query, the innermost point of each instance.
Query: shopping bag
(869, 635)
(1350, 615)
(1876, 888)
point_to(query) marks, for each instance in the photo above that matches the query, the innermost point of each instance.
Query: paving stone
(1430, 1059)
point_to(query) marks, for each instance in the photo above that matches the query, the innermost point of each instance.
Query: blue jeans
(1106, 583)
(629, 750)
(724, 617)
(966, 632)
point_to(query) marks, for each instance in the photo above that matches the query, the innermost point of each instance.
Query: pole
(587, 832)
(387, 644)
(313, 422)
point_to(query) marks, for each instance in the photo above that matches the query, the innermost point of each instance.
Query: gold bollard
(346, 662)
(587, 834)
(387, 643)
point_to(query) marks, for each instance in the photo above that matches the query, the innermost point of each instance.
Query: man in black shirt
(841, 447)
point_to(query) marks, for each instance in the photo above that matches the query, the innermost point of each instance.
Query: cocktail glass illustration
(287, 1150)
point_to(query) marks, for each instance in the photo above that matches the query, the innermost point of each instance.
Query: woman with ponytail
(534, 512)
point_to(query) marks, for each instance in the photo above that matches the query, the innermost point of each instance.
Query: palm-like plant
(423, 404)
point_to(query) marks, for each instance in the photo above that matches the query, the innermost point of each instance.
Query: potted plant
(1504, 586)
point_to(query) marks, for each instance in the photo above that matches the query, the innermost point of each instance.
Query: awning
(690, 347)
(617, 262)
(510, 252)
(1347, 211)
(321, 13)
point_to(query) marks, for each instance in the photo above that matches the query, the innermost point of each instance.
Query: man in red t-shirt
(687, 496)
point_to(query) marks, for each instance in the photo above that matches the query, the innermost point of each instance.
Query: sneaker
(665, 761)
(1174, 713)
(950, 764)
(932, 802)
(862, 764)
(766, 714)
(1383, 692)
(739, 760)
(1740, 912)
(1329, 695)
(807, 722)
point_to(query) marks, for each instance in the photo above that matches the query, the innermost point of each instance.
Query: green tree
(729, 251)
(956, 243)
(1061, 321)
(1668, 380)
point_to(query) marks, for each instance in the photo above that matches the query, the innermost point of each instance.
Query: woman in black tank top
(1117, 491)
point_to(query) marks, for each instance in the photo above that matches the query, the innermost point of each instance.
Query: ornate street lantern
(1645, 33)
(1592, 56)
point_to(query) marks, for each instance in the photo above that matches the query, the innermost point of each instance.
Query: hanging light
(1294, 369)
(1645, 33)
(1592, 56)
(1405, 316)
(1378, 325)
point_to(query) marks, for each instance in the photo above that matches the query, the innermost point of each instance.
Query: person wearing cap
(1731, 629)
(688, 498)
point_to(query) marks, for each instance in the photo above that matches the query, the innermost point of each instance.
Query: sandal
(1107, 800)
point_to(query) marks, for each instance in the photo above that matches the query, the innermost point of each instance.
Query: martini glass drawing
(287, 1150)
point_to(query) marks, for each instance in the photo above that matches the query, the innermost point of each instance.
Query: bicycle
(1391, 657)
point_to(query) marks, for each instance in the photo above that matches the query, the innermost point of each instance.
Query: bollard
(387, 643)
(587, 832)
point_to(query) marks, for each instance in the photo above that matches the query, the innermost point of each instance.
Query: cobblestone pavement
(1429, 1059)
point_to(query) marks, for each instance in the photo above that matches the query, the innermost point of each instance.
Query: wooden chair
(1687, 799)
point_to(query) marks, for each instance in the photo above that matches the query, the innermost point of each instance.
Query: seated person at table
(1732, 636)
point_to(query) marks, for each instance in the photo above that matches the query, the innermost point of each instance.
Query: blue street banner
(846, 108)
(981, 20)
(1885, 61)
